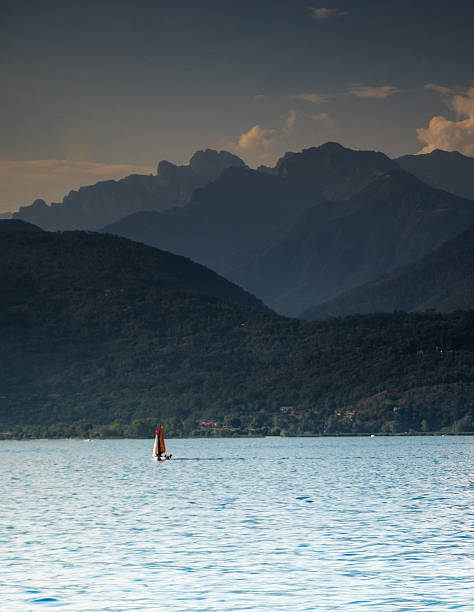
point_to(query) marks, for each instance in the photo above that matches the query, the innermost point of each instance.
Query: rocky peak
(209, 164)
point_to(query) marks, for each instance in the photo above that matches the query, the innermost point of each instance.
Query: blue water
(240, 524)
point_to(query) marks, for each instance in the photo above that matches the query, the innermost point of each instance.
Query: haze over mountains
(320, 223)
(443, 280)
(342, 244)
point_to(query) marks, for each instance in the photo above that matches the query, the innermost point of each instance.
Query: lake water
(239, 524)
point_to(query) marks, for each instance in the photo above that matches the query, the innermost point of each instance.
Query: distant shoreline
(5, 437)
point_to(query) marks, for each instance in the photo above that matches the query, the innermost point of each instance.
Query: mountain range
(94, 206)
(341, 244)
(328, 220)
(321, 223)
(246, 211)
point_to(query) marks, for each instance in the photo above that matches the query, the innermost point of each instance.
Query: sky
(93, 90)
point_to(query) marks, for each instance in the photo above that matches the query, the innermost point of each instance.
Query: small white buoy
(372, 436)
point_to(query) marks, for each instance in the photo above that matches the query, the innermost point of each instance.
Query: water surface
(238, 524)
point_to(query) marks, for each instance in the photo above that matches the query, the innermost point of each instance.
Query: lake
(382, 523)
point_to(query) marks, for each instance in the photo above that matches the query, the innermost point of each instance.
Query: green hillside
(102, 336)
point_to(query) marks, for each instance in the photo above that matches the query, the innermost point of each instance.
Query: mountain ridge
(442, 280)
(244, 210)
(15, 225)
(448, 170)
(393, 221)
(106, 260)
(93, 206)
(321, 222)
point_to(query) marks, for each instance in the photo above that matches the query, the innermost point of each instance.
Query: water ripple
(267, 525)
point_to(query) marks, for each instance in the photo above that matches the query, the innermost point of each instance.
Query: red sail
(161, 442)
(159, 447)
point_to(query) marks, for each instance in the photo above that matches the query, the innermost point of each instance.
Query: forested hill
(100, 338)
(16, 225)
(80, 266)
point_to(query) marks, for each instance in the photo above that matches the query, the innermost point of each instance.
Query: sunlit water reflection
(238, 524)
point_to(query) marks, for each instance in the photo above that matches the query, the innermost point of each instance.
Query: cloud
(319, 14)
(463, 105)
(257, 143)
(448, 135)
(51, 179)
(324, 117)
(290, 122)
(444, 91)
(261, 145)
(365, 91)
(314, 98)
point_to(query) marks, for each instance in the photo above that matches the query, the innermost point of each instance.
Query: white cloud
(365, 91)
(448, 135)
(314, 98)
(320, 14)
(51, 179)
(257, 143)
(261, 145)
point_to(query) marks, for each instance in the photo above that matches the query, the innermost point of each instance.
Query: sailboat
(159, 448)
